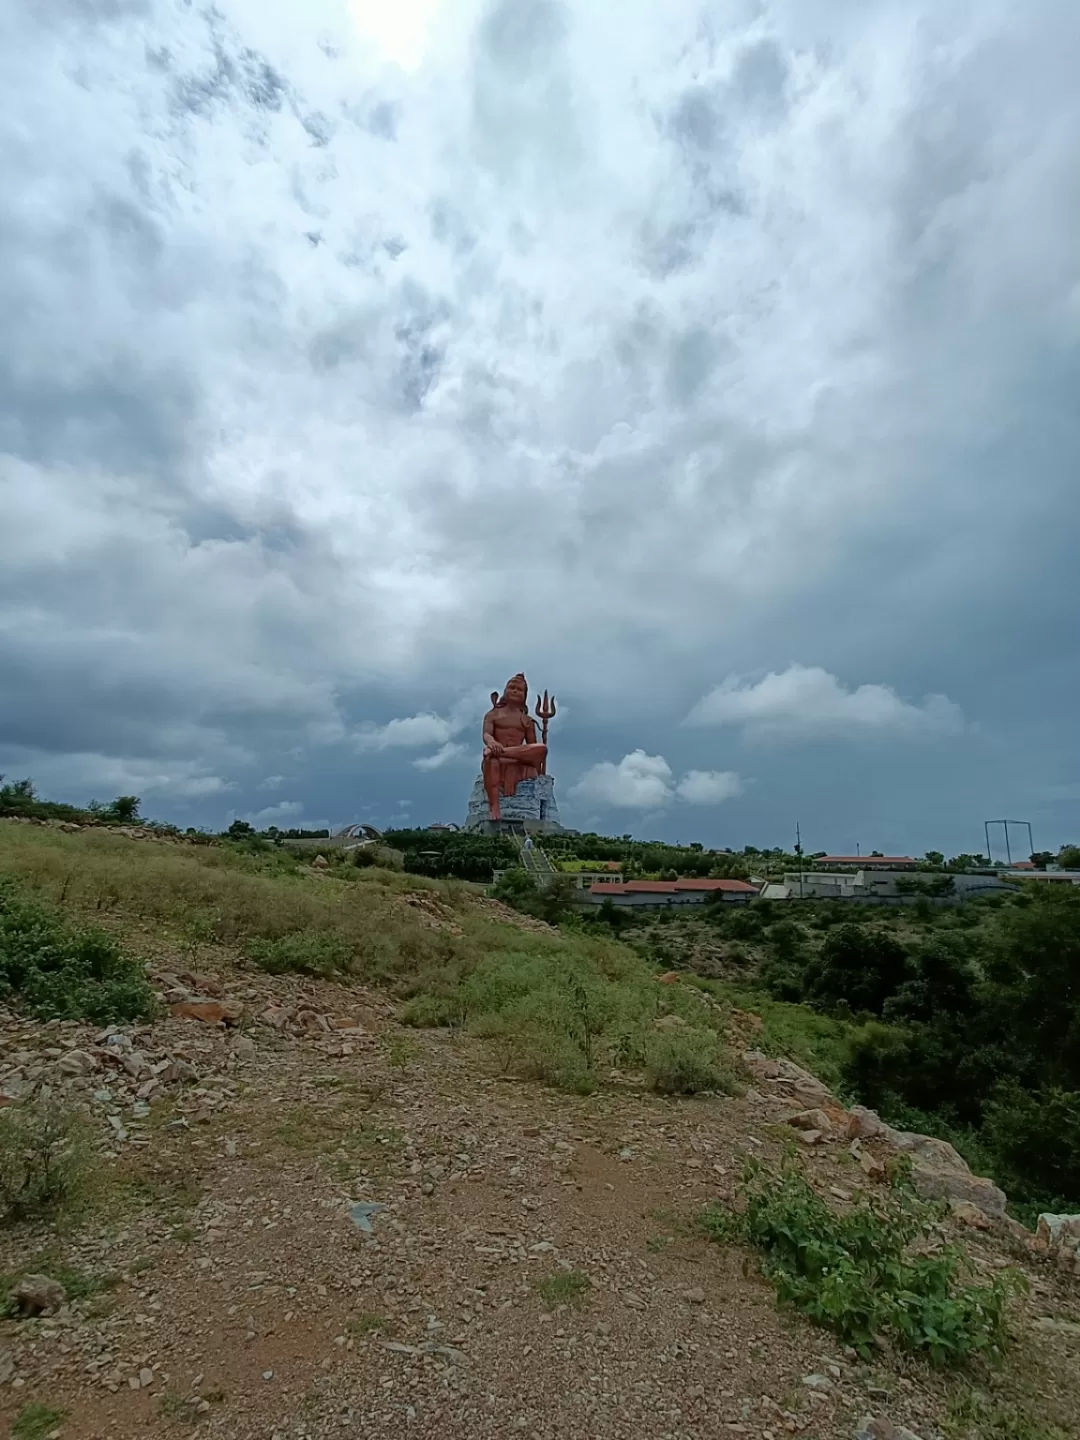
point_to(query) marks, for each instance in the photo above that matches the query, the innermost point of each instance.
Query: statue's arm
(491, 745)
(530, 730)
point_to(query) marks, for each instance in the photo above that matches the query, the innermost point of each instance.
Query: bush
(60, 973)
(307, 952)
(684, 1062)
(862, 968)
(563, 1012)
(873, 1271)
(37, 1422)
(1035, 1140)
(44, 1157)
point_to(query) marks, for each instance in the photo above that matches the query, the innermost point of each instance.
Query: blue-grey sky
(716, 362)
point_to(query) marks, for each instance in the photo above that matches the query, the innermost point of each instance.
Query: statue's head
(516, 694)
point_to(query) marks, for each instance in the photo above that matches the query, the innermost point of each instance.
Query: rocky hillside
(285, 1211)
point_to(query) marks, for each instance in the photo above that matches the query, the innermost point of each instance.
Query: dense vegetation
(962, 1022)
(19, 799)
(440, 853)
(61, 972)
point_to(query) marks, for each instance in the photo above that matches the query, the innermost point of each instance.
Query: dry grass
(562, 1007)
(220, 895)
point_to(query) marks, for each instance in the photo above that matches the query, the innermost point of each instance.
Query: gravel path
(535, 1270)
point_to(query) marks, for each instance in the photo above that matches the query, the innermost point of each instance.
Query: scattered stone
(862, 1124)
(76, 1062)
(879, 1428)
(811, 1120)
(320, 863)
(1058, 1238)
(669, 1022)
(7, 1366)
(1059, 1327)
(811, 1137)
(210, 1012)
(39, 1295)
(244, 1048)
(871, 1166)
(360, 1214)
(787, 1077)
(821, 1383)
(694, 1296)
(969, 1214)
(146, 1377)
(202, 984)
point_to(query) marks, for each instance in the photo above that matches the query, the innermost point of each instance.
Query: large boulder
(787, 1079)
(1058, 1238)
(939, 1173)
(38, 1295)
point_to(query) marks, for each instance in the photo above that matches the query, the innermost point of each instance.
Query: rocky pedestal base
(531, 806)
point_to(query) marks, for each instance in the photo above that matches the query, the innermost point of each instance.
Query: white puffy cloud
(637, 782)
(807, 701)
(85, 776)
(409, 733)
(274, 814)
(708, 787)
(647, 782)
(414, 732)
(272, 782)
(445, 755)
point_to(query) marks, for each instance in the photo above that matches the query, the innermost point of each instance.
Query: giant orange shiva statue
(512, 751)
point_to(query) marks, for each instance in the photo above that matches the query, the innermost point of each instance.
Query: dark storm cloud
(654, 352)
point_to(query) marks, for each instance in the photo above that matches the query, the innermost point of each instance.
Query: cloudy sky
(716, 362)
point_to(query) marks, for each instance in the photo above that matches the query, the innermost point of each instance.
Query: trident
(545, 711)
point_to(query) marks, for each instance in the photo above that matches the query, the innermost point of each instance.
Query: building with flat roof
(864, 862)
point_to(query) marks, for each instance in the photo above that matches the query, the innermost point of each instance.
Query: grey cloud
(636, 349)
(521, 36)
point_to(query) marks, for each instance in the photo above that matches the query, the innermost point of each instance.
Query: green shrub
(431, 1012)
(684, 1062)
(61, 973)
(36, 1422)
(1035, 1140)
(562, 1012)
(45, 1159)
(875, 1271)
(565, 1287)
(307, 952)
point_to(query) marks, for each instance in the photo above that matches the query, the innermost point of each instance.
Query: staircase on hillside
(534, 861)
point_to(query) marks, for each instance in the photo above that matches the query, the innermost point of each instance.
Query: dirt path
(535, 1270)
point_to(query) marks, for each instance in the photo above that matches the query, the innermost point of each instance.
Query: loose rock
(39, 1295)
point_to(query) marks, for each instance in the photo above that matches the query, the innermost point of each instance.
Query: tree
(125, 808)
(863, 968)
(1069, 857)
(963, 863)
(19, 795)
(239, 829)
(935, 858)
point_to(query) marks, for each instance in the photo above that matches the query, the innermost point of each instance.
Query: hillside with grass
(297, 1145)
